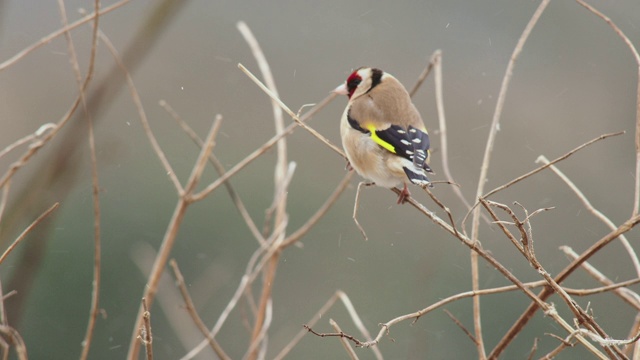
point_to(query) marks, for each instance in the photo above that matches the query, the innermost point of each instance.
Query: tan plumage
(375, 130)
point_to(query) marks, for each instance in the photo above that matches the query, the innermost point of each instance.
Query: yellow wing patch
(377, 140)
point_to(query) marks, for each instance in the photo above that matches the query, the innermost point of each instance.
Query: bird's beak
(341, 90)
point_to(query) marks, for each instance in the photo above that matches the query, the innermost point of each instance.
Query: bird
(383, 135)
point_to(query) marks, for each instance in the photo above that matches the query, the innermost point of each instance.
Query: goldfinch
(383, 135)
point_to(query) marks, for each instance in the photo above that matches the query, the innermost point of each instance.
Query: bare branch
(636, 56)
(484, 169)
(145, 330)
(345, 343)
(338, 334)
(464, 329)
(47, 39)
(291, 113)
(27, 231)
(221, 171)
(191, 309)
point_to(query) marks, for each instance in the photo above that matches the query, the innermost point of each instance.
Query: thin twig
(553, 353)
(547, 291)
(345, 344)
(27, 231)
(594, 211)
(221, 171)
(259, 151)
(540, 168)
(435, 57)
(254, 267)
(16, 340)
(484, 169)
(168, 299)
(356, 204)
(146, 337)
(461, 326)
(252, 270)
(355, 318)
(291, 113)
(42, 129)
(338, 334)
(281, 184)
(636, 56)
(5, 198)
(47, 39)
(95, 291)
(436, 60)
(534, 348)
(135, 97)
(184, 193)
(527, 245)
(191, 309)
(313, 220)
(625, 294)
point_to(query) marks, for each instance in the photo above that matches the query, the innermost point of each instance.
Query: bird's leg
(348, 166)
(355, 208)
(404, 194)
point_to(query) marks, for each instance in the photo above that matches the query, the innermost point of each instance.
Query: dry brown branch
(261, 340)
(5, 198)
(42, 129)
(185, 193)
(168, 299)
(635, 329)
(15, 339)
(598, 214)
(3, 312)
(436, 61)
(484, 169)
(291, 113)
(356, 203)
(625, 294)
(145, 335)
(313, 220)
(338, 334)
(636, 56)
(47, 39)
(461, 326)
(213, 159)
(444, 208)
(41, 141)
(355, 318)
(549, 310)
(435, 58)
(534, 348)
(281, 178)
(547, 291)
(27, 230)
(135, 97)
(95, 293)
(254, 267)
(345, 344)
(527, 245)
(191, 309)
(172, 229)
(540, 168)
(259, 151)
(553, 353)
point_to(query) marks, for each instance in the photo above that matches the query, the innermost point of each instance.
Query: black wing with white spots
(411, 144)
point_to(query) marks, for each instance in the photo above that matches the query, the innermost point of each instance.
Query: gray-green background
(574, 80)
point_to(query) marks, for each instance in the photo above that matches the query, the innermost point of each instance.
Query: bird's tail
(417, 177)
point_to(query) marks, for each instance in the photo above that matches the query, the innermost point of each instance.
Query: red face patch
(352, 82)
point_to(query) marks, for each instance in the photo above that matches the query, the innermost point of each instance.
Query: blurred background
(574, 81)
